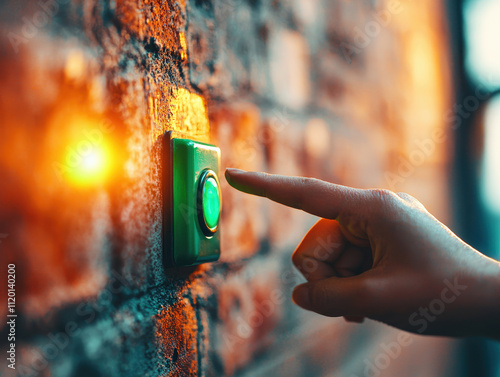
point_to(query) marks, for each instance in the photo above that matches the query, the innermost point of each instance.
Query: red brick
(290, 69)
(176, 330)
(237, 130)
(281, 97)
(250, 307)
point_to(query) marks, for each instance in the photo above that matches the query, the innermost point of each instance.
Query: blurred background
(397, 94)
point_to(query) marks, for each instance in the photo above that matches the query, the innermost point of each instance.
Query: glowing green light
(211, 203)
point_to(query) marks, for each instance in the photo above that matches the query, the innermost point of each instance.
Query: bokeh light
(483, 50)
(93, 167)
(88, 159)
(491, 161)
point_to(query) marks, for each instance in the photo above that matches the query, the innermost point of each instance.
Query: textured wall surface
(349, 91)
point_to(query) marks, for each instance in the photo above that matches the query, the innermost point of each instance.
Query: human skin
(387, 259)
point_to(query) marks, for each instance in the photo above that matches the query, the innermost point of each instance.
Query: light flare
(88, 165)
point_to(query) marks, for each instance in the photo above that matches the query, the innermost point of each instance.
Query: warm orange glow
(86, 157)
(92, 167)
(182, 39)
(188, 115)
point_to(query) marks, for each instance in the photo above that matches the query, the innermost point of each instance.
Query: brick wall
(348, 91)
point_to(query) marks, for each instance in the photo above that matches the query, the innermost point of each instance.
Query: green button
(189, 216)
(211, 203)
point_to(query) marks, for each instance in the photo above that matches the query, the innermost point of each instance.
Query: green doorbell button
(210, 202)
(192, 202)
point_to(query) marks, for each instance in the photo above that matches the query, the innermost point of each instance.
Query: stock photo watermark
(425, 148)
(85, 154)
(321, 254)
(250, 147)
(363, 37)
(419, 320)
(32, 25)
(247, 324)
(56, 342)
(11, 316)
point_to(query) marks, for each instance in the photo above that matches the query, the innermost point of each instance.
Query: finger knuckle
(410, 200)
(405, 196)
(307, 182)
(304, 185)
(383, 194)
(384, 198)
(304, 180)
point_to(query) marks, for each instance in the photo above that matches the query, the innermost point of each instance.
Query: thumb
(334, 297)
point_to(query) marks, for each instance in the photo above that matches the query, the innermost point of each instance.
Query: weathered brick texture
(348, 91)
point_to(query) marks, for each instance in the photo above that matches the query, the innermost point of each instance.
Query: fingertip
(235, 177)
(233, 171)
(227, 175)
(230, 173)
(300, 296)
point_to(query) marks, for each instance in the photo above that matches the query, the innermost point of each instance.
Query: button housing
(186, 240)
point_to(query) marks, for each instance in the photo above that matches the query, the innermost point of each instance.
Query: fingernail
(234, 171)
(300, 296)
(231, 172)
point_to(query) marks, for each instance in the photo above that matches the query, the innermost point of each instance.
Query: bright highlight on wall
(88, 164)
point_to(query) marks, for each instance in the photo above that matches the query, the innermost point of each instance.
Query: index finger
(311, 195)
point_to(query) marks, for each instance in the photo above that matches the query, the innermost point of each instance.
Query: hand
(381, 255)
